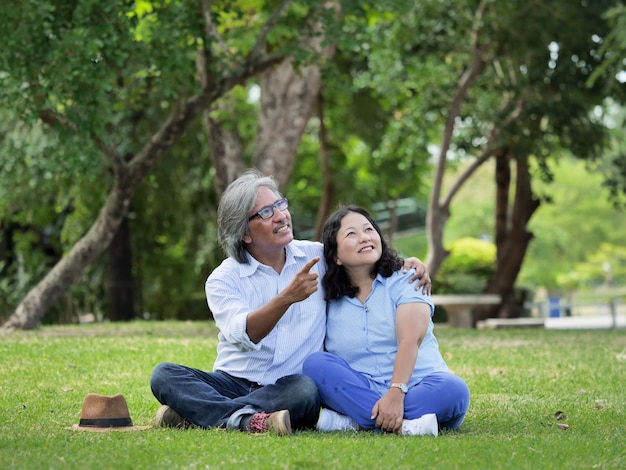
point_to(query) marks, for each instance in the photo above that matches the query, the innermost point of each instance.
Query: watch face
(403, 387)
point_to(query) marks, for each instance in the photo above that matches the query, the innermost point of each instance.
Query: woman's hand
(389, 411)
(421, 274)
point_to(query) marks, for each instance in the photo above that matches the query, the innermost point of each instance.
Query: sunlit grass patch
(539, 399)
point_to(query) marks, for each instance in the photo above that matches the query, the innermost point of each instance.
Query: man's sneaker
(279, 422)
(166, 417)
(423, 426)
(330, 420)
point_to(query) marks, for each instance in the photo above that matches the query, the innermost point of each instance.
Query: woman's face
(358, 242)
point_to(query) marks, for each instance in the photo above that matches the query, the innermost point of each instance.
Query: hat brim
(77, 427)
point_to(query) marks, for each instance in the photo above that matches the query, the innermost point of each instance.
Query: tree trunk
(436, 219)
(288, 100)
(287, 103)
(226, 153)
(121, 289)
(41, 297)
(512, 236)
(438, 207)
(328, 186)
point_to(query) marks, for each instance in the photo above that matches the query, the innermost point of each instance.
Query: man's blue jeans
(214, 399)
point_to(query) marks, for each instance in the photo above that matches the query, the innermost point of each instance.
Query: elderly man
(271, 314)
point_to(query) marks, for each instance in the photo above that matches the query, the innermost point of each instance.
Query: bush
(468, 268)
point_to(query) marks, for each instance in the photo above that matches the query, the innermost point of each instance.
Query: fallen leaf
(563, 426)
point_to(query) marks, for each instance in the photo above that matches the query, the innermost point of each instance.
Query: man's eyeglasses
(268, 211)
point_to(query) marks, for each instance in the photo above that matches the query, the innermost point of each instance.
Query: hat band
(106, 423)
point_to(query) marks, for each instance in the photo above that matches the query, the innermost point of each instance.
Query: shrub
(466, 271)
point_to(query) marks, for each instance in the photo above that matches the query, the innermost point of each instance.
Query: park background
(122, 122)
(487, 137)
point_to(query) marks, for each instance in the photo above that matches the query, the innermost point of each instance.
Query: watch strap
(402, 386)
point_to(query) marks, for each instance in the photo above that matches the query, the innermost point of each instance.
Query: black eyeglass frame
(266, 209)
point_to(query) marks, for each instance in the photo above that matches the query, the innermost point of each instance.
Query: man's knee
(161, 374)
(302, 392)
(309, 387)
(308, 398)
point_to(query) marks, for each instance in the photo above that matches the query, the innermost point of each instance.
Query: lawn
(540, 399)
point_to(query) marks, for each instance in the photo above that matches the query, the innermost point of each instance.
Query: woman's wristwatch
(403, 387)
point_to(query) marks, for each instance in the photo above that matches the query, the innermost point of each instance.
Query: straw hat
(101, 413)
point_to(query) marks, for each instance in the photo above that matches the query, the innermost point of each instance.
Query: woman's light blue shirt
(364, 333)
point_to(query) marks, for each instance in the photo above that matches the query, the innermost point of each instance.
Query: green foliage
(113, 71)
(613, 47)
(397, 163)
(34, 204)
(571, 229)
(86, 82)
(363, 169)
(466, 271)
(575, 221)
(411, 244)
(612, 165)
(15, 283)
(373, 156)
(417, 71)
(472, 211)
(605, 267)
(174, 234)
(518, 379)
(98, 74)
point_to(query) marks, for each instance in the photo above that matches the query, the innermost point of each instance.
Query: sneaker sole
(427, 426)
(280, 422)
(158, 420)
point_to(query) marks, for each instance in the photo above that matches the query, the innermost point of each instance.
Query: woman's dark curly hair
(336, 282)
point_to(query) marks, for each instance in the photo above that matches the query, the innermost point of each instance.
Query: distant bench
(459, 307)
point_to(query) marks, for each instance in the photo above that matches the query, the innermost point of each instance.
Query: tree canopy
(139, 113)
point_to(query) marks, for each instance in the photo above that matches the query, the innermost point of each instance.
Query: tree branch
(206, 55)
(476, 67)
(271, 22)
(255, 61)
(210, 31)
(494, 133)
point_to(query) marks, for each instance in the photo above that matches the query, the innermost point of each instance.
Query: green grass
(518, 380)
